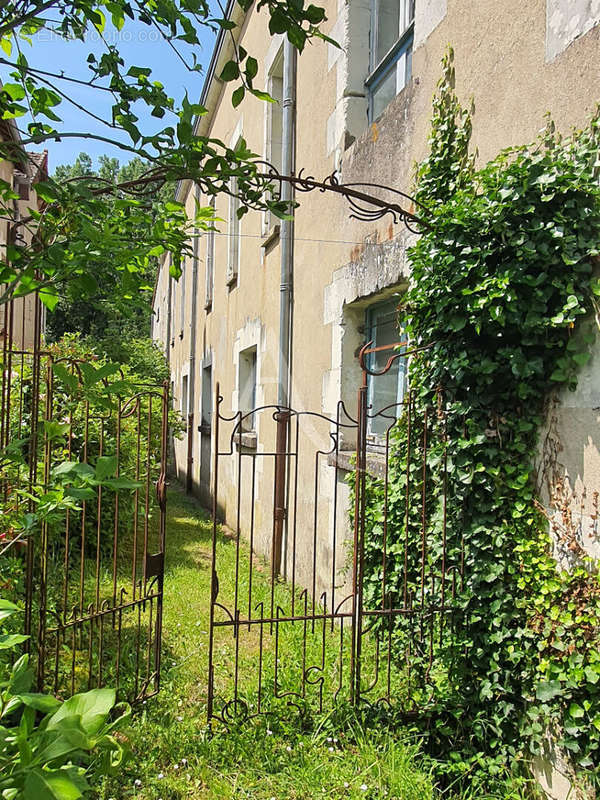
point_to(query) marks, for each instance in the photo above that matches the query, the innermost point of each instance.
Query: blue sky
(139, 45)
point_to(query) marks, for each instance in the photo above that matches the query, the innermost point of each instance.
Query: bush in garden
(50, 750)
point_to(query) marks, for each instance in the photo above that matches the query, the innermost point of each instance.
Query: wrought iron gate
(94, 567)
(313, 601)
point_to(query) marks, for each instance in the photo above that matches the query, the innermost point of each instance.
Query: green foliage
(93, 440)
(110, 318)
(341, 755)
(49, 749)
(500, 286)
(90, 231)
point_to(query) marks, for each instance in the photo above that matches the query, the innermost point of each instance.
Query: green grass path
(175, 756)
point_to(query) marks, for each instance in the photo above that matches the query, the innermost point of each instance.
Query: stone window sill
(271, 238)
(247, 440)
(346, 461)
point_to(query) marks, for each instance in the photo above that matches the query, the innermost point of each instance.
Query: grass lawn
(282, 757)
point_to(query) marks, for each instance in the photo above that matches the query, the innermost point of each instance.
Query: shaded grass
(287, 756)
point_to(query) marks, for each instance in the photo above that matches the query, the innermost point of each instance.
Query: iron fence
(361, 600)
(82, 483)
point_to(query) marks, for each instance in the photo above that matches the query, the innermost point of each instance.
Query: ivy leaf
(576, 711)
(581, 358)
(592, 675)
(547, 690)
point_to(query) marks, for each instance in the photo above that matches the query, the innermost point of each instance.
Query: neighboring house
(22, 320)
(364, 111)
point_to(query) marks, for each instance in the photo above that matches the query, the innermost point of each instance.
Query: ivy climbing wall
(502, 302)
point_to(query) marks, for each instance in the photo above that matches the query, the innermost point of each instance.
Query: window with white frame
(385, 393)
(274, 124)
(184, 397)
(233, 231)
(210, 264)
(181, 283)
(390, 52)
(247, 387)
(171, 302)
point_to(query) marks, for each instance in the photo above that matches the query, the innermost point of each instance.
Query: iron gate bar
(82, 621)
(415, 610)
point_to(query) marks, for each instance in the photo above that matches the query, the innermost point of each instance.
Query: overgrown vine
(502, 293)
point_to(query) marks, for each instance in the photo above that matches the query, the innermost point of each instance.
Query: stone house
(22, 316)
(361, 110)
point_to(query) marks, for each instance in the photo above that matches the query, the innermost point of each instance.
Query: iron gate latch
(155, 564)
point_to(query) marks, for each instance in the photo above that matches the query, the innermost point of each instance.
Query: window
(182, 298)
(247, 386)
(274, 131)
(390, 51)
(210, 264)
(184, 397)
(389, 389)
(206, 400)
(233, 231)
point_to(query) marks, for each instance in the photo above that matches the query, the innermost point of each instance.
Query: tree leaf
(106, 466)
(230, 71)
(238, 96)
(7, 609)
(50, 785)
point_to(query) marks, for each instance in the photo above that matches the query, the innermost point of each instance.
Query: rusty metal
(279, 509)
(326, 634)
(94, 572)
(368, 202)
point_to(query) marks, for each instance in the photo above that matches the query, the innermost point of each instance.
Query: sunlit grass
(285, 756)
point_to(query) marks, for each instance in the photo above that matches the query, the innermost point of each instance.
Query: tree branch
(10, 27)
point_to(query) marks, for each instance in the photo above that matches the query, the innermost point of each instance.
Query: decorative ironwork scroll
(368, 202)
(334, 609)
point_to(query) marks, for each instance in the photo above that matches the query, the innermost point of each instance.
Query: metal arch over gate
(308, 625)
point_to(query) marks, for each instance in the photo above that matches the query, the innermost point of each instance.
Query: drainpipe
(288, 163)
(169, 297)
(192, 375)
